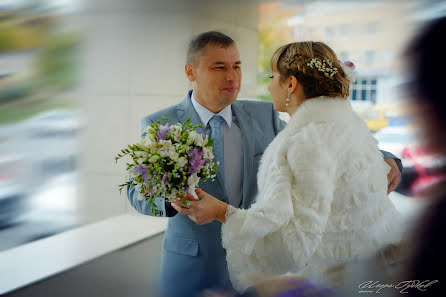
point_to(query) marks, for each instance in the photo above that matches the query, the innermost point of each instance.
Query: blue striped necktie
(218, 147)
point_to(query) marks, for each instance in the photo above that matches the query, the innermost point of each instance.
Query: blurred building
(370, 34)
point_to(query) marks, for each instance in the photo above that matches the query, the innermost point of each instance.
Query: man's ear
(190, 73)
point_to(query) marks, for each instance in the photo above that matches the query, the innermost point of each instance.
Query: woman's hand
(204, 210)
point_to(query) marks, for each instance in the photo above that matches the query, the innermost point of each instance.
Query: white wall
(133, 64)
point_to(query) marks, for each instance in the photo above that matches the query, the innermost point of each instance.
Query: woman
(322, 181)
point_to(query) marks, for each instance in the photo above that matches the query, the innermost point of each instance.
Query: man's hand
(394, 176)
(202, 211)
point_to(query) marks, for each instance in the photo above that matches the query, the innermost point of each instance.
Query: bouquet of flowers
(169, 161)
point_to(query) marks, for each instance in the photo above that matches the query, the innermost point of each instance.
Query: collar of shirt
(205, 114)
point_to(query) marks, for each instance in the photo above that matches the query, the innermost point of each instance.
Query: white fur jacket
(322, 199)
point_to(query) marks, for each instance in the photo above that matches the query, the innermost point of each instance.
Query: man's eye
(237, 67)
(270, 76)
(220, 68)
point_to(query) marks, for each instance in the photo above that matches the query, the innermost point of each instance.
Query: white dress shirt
(233, 149)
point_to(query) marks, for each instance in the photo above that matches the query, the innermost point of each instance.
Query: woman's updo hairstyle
(315, 66)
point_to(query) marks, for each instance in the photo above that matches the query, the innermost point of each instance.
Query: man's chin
(229, 99)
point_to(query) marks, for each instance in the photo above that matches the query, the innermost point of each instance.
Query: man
(192, 257)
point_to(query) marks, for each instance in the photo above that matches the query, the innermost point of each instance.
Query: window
(345, 31)
(369, 57)
(365, 89)
(369, 28)
(329, 33)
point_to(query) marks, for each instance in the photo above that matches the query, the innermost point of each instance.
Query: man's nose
(231, 75)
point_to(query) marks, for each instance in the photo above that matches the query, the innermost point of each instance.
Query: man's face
(216, 76)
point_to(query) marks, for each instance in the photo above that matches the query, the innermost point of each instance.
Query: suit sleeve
(164, 207)
(278, 124)
(388, 155)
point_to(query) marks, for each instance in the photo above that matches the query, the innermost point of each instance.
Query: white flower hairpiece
(325, 66)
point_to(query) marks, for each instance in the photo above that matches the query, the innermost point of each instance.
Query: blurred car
(430, 169)
(13, 189)
(33, 152)
(375, 119)
(396, 140)
(422, 169)
(54, 137)
(381, 116)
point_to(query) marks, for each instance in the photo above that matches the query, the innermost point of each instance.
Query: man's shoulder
(258, 108)
(254, 104)
(169, 112)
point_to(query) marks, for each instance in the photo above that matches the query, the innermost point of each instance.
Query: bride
(322, 182)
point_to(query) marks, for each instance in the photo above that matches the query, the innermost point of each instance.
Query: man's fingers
(391, 187)
(393, 179)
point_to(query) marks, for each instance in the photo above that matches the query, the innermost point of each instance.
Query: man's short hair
(197, 44)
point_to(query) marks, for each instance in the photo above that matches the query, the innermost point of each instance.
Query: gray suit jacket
(192, 255)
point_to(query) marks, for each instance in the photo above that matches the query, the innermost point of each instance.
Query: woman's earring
(287, 102)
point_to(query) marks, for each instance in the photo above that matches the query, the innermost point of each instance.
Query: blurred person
(280, 286)
(425, 58)
(322, 187)
(193, 258)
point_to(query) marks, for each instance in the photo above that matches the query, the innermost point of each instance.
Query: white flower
(166, 144)
(182, 161)
(166, 148)
(154, 158)
(205, 140)
(194, 138)
(148, 129)
(207, 152)
(175, 131)
(132, 173)
(174, 156)
(148, 141)
(193, 180)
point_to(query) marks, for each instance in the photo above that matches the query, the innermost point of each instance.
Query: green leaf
(185, 125)
(210, 143)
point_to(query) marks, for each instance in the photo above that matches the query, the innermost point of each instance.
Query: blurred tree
(274, 31)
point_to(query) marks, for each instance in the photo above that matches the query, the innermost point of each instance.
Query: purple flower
(350, 65)
(162, 131)
(196, 162)
(165, 179)
(141, 169)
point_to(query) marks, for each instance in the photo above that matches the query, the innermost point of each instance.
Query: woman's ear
(293, 83)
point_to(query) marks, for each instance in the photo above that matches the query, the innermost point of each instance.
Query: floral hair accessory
(325, 66)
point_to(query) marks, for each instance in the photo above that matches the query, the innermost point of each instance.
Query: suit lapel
(245, 120)
(187, 111)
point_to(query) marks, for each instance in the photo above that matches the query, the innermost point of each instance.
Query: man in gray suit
(193, 258)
